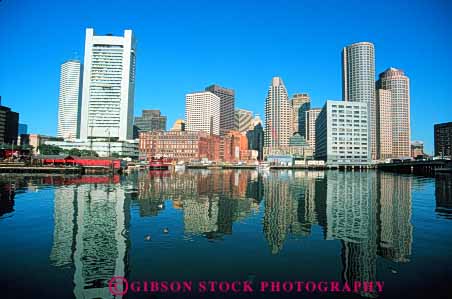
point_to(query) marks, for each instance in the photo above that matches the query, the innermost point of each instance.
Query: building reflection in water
(443, 192)
(211, 200)
(368, 212)
(396, 230)
(7, 193)
(91, 235)
(351, 218)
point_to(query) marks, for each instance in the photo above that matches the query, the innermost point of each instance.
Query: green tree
(74, 152)
(88, 153)
(48, 149)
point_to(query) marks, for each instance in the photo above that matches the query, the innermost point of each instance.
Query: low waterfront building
(417, 149)
(180, 145)
(234, 143)
(298, 148)
(103, 147)
(342, 134)
(443, 140)
(280, 160)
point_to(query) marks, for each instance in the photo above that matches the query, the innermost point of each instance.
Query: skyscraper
(227, 103)
(243, 120)
(301, 102)
(69, 100)
(443, 139)
(202, 112)
(9, 125)
(150, 120)
(256, 140)
(311, 117)
(395, 81)
(384, 124)
(108, 86)
(278, 115)
(358, 82)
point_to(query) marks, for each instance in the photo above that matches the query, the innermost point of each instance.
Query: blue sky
(183, 46)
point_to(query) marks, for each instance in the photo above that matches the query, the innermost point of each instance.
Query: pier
(429, 167)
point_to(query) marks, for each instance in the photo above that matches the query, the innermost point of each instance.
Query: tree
(88, 153)
(74, 152)
(48, 149)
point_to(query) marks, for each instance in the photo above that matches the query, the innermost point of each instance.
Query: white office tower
(108, 86)
(278, 115)
(358, 82)
(69, 100)
(202, 112)
(341, 134)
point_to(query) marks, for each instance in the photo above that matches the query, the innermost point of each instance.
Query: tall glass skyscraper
(278, 115)
(69, 100)
(108, 87)
(358, 82)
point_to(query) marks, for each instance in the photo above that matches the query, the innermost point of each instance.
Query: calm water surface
(66, 237)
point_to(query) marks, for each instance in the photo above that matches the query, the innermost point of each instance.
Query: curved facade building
(395, 80)
(358, 82)
(278, 115)
(69, 100)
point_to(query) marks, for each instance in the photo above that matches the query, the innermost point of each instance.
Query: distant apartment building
(398, 84)
(9, 125)
(243, 120)
(443, 139)
(300, 102)
(358, 82)
(69, 100)
(227, 106)
(384, 124)
(179, 125)
(150, 120)
(108, 86)
(342, 136)
(278, 115)
(417, 149)
(202, 112)
(180, 145)
(311, 117)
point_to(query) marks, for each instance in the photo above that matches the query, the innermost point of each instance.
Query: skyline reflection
(369, 213)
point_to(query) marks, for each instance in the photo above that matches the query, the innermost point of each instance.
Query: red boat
(160, 163)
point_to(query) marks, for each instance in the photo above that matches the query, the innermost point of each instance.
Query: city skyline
(250, 94)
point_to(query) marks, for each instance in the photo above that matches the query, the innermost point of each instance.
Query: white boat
(263, 167)
(180, 166)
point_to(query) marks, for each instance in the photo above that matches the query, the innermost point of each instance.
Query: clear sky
(183, 46)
